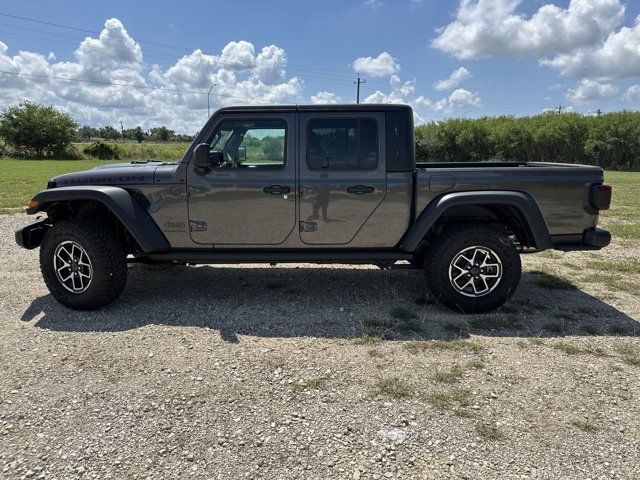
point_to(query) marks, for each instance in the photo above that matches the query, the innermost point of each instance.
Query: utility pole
(358, 83)
(122, 130)
(208, 95)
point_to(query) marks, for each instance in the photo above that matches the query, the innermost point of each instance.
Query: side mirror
(202, 156)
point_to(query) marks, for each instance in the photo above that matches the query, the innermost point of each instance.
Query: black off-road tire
(106, 256)
(446, 248)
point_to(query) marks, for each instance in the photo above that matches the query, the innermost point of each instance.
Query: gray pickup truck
(313, 184)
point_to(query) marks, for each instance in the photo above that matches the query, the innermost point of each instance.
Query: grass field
(21, 179)
(623, 220)
(170, 151)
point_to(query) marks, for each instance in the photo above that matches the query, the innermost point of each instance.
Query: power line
(177, 47)
(310, 73)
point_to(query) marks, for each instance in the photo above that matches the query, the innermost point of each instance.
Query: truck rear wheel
(83, 264)
(472, 268)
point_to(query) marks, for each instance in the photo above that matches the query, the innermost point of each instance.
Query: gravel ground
(264, 372)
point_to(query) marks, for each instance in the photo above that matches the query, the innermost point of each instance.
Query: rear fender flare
(121, 203)
(522, 202)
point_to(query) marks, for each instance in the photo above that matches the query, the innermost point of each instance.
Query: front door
(342, 174)
(248, 197)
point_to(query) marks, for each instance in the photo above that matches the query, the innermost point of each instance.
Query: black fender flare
(522, 202)
(120, 202)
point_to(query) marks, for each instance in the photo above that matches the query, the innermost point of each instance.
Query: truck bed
(561, 190)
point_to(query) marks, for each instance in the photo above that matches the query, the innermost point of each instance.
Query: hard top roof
(318, 108)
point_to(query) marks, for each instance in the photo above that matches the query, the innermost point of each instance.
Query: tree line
(137, 134)
(610, 140)
(42, 131)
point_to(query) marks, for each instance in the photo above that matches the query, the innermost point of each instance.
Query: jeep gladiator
(313, 184)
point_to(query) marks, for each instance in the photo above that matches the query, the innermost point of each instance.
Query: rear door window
(342, 144)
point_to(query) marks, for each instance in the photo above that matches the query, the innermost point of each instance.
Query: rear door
(342, 174)
(250, 198)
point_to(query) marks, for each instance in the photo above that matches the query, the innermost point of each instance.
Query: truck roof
(378, 107)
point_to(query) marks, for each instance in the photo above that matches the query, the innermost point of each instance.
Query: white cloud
(487, 28)
(632, 94)
(384, 65)
(270, 65)
(618, 56)
(398, 91)
(457, 76)
(459, 98)
(237, 56)
(589, 90)
(321, 98)
(180, 100)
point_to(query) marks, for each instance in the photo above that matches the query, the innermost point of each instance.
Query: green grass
(400, 313)
(496, 322)
(368, 339)
(454, 345)
(630, 355)
(622, 219)
(451, 399)
(585, 425)
(392, 387)
(20, 180)
(450, 376)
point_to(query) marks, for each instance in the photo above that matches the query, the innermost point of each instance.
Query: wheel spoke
(464, 272)
(470, 282)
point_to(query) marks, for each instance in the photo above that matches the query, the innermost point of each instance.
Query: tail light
(600, 196)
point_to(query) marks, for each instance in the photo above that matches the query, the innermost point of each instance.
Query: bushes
(102, 151)
(611, 141)
(36, 130)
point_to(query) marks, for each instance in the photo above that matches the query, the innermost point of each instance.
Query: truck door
(342, 174)
(248, 197)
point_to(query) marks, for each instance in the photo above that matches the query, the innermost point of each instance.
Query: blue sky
(509, 57)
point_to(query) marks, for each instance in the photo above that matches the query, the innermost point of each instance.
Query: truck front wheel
(83, 264)
(472, 268)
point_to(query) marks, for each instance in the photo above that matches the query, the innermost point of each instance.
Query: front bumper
(591, 239)
(30, 236)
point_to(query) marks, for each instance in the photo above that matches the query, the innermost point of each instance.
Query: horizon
(475, 58)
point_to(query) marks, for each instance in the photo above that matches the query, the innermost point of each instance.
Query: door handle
(360, 189)
(276, 190)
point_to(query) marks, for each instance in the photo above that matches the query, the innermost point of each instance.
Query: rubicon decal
(106, 180)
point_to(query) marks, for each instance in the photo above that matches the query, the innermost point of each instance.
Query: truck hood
(134, 173)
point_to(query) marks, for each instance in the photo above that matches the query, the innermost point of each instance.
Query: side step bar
(274, 256)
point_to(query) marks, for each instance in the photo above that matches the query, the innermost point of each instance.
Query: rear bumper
(591, 239)
(30, 236)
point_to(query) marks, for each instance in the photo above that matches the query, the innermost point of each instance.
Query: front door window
(250, 144)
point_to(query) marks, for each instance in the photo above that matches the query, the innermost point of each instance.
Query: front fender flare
(119, 201)
(522, 202)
